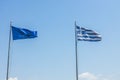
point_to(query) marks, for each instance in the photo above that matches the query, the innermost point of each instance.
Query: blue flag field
(22, 33)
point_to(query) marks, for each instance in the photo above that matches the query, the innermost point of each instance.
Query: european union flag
(21, 33)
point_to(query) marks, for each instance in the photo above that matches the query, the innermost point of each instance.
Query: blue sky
(51, 56)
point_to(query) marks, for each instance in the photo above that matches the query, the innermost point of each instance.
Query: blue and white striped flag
(84, 34)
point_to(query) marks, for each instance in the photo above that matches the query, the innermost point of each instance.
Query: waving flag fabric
(21, 33)
(84, 34)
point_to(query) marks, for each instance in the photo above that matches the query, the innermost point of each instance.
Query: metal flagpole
(8, 58)
(76, 54)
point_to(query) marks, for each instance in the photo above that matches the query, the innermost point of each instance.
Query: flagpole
(8, 58)
(76, 54)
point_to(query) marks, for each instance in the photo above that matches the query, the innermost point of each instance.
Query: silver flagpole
(8, 58)
(76, 54)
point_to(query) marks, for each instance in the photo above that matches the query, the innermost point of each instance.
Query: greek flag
(21, 33)
(84, 34)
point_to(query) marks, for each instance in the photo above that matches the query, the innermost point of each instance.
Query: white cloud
(87, 76)
(90, 76)
(15, 78)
